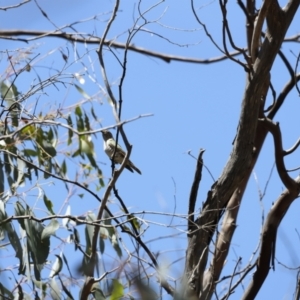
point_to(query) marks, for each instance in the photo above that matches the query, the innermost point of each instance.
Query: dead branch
(194, 191)
(89, 39)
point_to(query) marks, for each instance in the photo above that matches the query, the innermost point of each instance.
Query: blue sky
(193, 105)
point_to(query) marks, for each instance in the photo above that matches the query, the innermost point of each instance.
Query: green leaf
(65, 289)
(102, 245)
(12, 236)
(66, 263)
(20, 211)
(65, 221)
(6, 293)
(92, 160)
(76, 153)
(78, 111)
(10, 94)
(57, 266)
(50, 134)
(98, 294)
(48, 168)
(11, 183)
(38, 248)
(29, 152)
(28, 132)
(48, 204)
(116, 245)
(87, 122)
(117, 291)
(89, 232)
(76, 238)
(8, 91)
(93, 114)
(80, 124)
(50, 229)
(49, 149)
(7, 163)
(64, 167)
(103, 233)
(55, 291)
(87, 264)
(134, 221)
(82, 92)
(1, 178)
(40, 284)
(70, 132)
(101, 182)
(106, 218)
(19, 176)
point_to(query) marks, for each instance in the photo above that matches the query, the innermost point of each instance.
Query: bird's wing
(112, 144)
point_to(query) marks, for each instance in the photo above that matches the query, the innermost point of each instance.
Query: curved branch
(287, 63)
(274, 128)
(205, 28)
(289, 86)
(293, 148)
(226, 31)
(269, 234)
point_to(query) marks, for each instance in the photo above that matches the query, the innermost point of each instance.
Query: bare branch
(289, 183)
(72, 37)
(295, 77)
(269, 233)
(14, 6)
(236, 265)
(194, 191)
(293, 148)
(223, 243)
(100, 55)
(282, 96)
(258, 24)
(205, 28)
(226, 32)
(79, 133)
(295, 38)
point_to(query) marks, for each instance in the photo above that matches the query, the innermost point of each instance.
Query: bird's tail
(132, 166)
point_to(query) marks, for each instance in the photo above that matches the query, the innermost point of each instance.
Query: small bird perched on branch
(109, 148)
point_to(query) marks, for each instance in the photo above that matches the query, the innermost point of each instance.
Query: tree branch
(246, 148)
(269, 233)
(89, 39)
(289, 183)
(194, 191)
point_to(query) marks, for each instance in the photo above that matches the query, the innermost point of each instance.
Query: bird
(109, 146)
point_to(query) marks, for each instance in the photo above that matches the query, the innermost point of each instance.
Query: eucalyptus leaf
(50, 229)
(82, 92)
(48, 204)
(56, 267)
(117, 291)
(55, 291)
